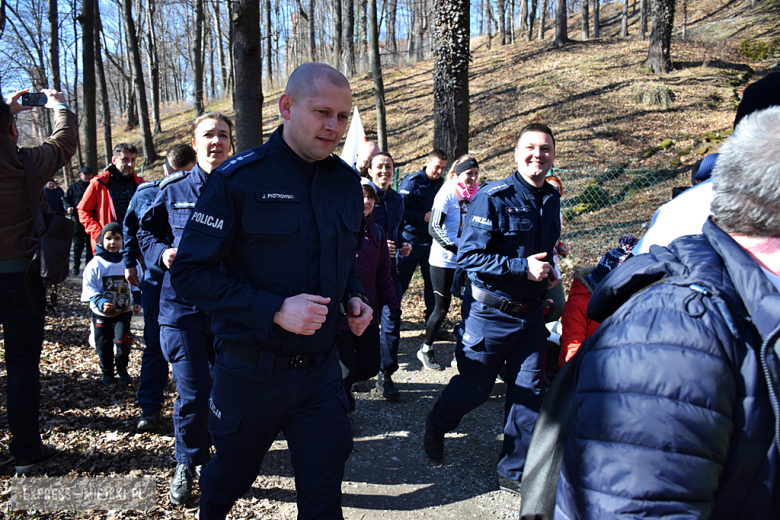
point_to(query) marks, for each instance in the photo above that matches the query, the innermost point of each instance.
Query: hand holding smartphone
(34, 99)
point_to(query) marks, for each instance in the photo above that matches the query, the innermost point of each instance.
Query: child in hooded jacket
(112, 301)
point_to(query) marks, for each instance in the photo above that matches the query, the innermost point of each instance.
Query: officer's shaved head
(305, 80)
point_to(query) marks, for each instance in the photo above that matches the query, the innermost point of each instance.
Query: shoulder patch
(232, 165)
(176, 177)
(492, 190)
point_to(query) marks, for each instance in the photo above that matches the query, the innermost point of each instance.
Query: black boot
(384, 384)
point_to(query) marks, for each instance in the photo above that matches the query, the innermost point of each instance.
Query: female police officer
(185, 330)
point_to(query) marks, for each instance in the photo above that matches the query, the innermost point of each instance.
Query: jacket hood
(700, 259)
(581, 275)
(100, 251)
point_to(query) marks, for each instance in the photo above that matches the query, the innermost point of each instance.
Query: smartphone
(33, 99)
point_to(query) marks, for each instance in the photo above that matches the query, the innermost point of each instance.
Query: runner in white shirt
(447, 215)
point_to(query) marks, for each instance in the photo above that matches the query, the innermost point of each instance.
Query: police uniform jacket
(161, 228)
(418, 192)
(279, 226)
(508, 221)
(389, 213)
(131, 251)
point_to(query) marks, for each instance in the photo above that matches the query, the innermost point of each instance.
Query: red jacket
(96, 208)
(576, 326)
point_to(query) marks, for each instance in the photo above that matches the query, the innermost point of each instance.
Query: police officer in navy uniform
(185, 330)
(154, 368)
(506, 248)
(269, 252)
(418, 191)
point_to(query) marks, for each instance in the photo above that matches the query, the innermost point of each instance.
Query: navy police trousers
(191, 354)
(154, 368)
(250, 404)
(490, 339)
(390, 331)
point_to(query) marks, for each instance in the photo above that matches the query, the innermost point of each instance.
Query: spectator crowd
(271, 281)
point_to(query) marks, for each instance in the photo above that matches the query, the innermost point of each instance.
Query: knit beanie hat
(612, 259)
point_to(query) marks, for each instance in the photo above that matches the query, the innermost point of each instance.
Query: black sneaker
(384, 385)
(181, 485)
(511, 486)
(109, 380)
(428, 360)
(433, 441)
(148, 422)
(124, 378)
(44, 453)
(75, 271)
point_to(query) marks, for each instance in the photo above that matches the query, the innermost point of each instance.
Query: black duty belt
(251, 356)
(502, 304)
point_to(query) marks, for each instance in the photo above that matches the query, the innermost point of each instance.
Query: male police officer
(418, 191)
(269, 251)
(506, 248)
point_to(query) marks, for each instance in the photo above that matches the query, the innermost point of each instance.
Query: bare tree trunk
(54, 45)
(220, 51)
(231, 59)
(150, 155)
(338, 37)
(643, 8)
(685, 19)
(542, 20)
(363, 28)
(585, 26)
(624, 20)
(249, 91)
(511, 22)
(390, 36)
(489, 18)
(529, 35)
(501, 10)
(451, 77)
(421, 28)
(349, 61)
(659, 58)
(523, 16)
(87, 21)
(108, 144)
(596, 21)
(197, 68)
(312, 40)
(154, 65)
(561, 28)
(376, 69)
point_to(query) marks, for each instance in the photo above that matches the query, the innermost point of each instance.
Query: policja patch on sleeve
(210, 222)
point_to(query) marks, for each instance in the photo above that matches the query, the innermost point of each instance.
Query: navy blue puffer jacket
(677, 392)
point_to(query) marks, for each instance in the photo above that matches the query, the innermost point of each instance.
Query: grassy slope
(584, 91)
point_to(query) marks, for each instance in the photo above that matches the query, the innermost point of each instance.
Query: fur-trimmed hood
(581, 275)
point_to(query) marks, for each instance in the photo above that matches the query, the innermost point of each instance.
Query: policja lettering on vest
(208, 220)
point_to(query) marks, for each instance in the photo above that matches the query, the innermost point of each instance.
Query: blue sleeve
(477, 250)
(131, 248)
(154, 232)
(411, 215)
(99, 300)
(196, 273)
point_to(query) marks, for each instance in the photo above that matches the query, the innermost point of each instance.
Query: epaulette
(176, 177)
(229, 167)
(501, 186)
(149, 184)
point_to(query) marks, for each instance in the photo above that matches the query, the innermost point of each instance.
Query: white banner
(355, 136)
